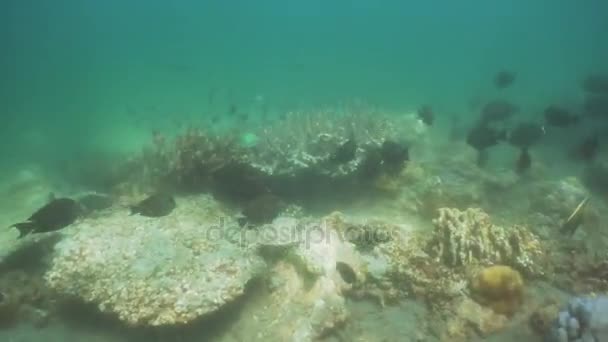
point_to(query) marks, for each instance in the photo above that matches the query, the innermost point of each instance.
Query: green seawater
(84, 81)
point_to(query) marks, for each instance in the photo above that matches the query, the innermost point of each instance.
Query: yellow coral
(500, 288)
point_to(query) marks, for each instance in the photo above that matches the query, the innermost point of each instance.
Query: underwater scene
(333, 171)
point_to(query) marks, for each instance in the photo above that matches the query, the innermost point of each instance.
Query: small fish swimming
(262, 209)
(596, 107)
(346, 272)
(425, 113)
(524, 161)
(394, 156)
(57, 214)
(587, 150)
(157, 205)
(526, 134)
(504, 79)
(560, 117)
(481, 137)
(345, 152)
(596, 84)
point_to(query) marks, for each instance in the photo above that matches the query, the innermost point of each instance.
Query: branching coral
(307, 152)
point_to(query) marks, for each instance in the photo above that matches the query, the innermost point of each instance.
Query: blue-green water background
(83, 75)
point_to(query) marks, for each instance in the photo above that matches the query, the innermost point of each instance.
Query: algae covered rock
(158, 271)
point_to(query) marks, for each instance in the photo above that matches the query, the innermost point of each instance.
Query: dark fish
(497, 110)
(597, 84)
(243, 117)
(263, 209)
(482, 136)
(587, 150)
(503, 79)
(56, 215)
(93, 202)
(345, 152)
(371, 165)
(524, 161)
(232, 110)
(526, 134)
(346, 272)
(595, 178)
(425, 113)
(215, 119)
(560, 117)
(596, 107)
(394, 156)
(157, 205)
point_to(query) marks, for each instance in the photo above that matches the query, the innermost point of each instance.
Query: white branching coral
(160, 271)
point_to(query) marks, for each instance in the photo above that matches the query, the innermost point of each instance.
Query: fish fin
(25, 228)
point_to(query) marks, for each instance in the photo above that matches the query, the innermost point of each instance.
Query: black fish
(94, 202)
(524, 161)
(497, 110)
(596, 107)
(526, 134)
(596, 84)
(157, 205)
(56, 215)
(232, 110)
(371, 165)
(425, 113)
(263, 209)
(587, 150)
(503, 79)
(345, 152)
(394, 156)
(482, 136)
(346, 272)
(560, 117)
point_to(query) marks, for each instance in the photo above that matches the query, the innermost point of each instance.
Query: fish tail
(25, 228)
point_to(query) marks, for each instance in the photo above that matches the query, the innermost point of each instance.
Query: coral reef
(308, 154)
(160, 271)
(468, 238)
(471, 319)
(498, 287)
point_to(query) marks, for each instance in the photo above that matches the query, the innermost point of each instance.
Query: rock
(161, 271)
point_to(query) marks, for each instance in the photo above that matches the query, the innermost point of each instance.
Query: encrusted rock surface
(162, 271)
(469, 238)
